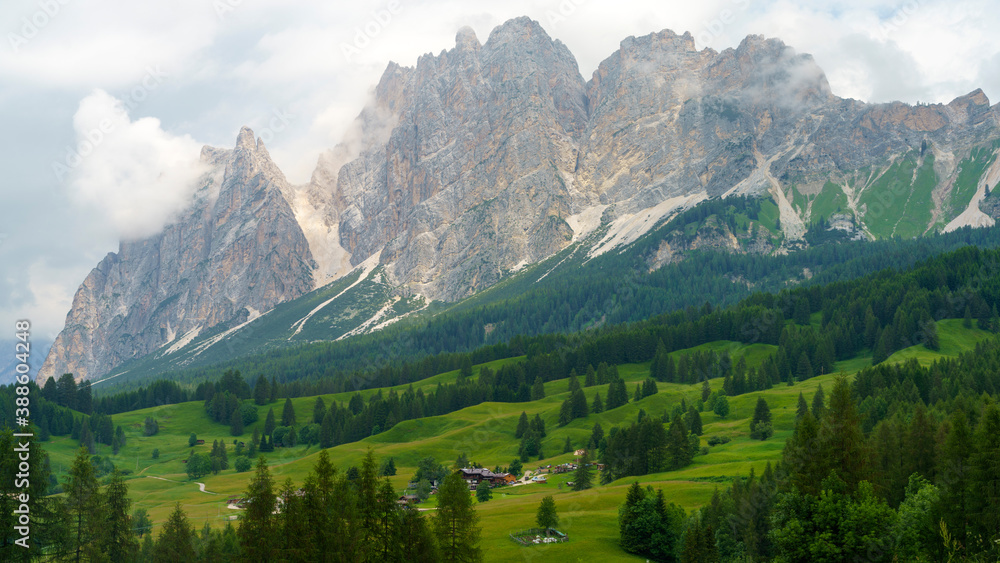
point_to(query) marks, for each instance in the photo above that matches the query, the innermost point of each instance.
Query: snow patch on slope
(367, 266)
(627, 228)
(973, 216)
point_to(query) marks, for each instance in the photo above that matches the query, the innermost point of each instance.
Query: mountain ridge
(492, 156)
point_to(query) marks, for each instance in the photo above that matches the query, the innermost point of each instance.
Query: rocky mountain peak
(466, 39)
(491, 156)
(245, 139)
(236, 252)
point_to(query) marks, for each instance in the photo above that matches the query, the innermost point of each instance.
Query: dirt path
(201, 486)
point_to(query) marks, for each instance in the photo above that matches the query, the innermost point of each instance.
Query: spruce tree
(598, 406)
(417, 542)
(565, 412)
(760, 425)
(574, 382)
(269, 423)
(693, 421)
(261, 391)
(319, 410)
(522, 425)
(596, 435)
(288, 414)
(583, 478)
(273, 389)
(918, 443)
(326, 437)
(840, 442)
(649, 388)
(955, 475)
(538, 389)
(567, 446)
(985, 475)
(590, 378)
(258, 530)
(236, 423)
(818, 403)
(579, 404)
(802, 408)
(678, 445)
(176, 540)
(804, 370)
(658, 367)
(118, 541)
(628, 514)
(87, 438)
(465, 370)
(456, 524)
(538, 426)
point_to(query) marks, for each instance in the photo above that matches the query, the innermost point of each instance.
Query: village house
(407, 500)
(474, 475)
(563, 468)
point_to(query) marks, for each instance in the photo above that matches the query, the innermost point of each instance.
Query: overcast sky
(151, 82)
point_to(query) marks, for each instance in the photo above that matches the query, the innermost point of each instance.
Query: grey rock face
(471, 179)
(478, 160)
(237, 251)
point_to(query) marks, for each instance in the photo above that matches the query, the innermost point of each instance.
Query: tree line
(900, 464)
(332, 516)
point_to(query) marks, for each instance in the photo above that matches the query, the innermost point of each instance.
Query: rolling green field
(485, 433)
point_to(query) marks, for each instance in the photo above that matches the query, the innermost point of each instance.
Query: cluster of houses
(569, 467)
(475, 475)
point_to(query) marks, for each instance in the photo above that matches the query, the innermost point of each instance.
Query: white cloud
(138, 175)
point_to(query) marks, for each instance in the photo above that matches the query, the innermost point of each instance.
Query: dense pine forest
(902, 464)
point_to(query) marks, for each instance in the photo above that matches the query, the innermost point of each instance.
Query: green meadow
(485, 433)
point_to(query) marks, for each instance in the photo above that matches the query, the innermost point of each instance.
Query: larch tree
(547, 518)
(456, 524)
(83, 504)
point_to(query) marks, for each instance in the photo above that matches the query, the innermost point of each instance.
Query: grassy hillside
(485, 433)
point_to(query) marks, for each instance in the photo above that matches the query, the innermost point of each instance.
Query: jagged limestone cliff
(490, 156)
(237, 252)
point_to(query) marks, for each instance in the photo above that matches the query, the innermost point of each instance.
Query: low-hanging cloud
(135, 173)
